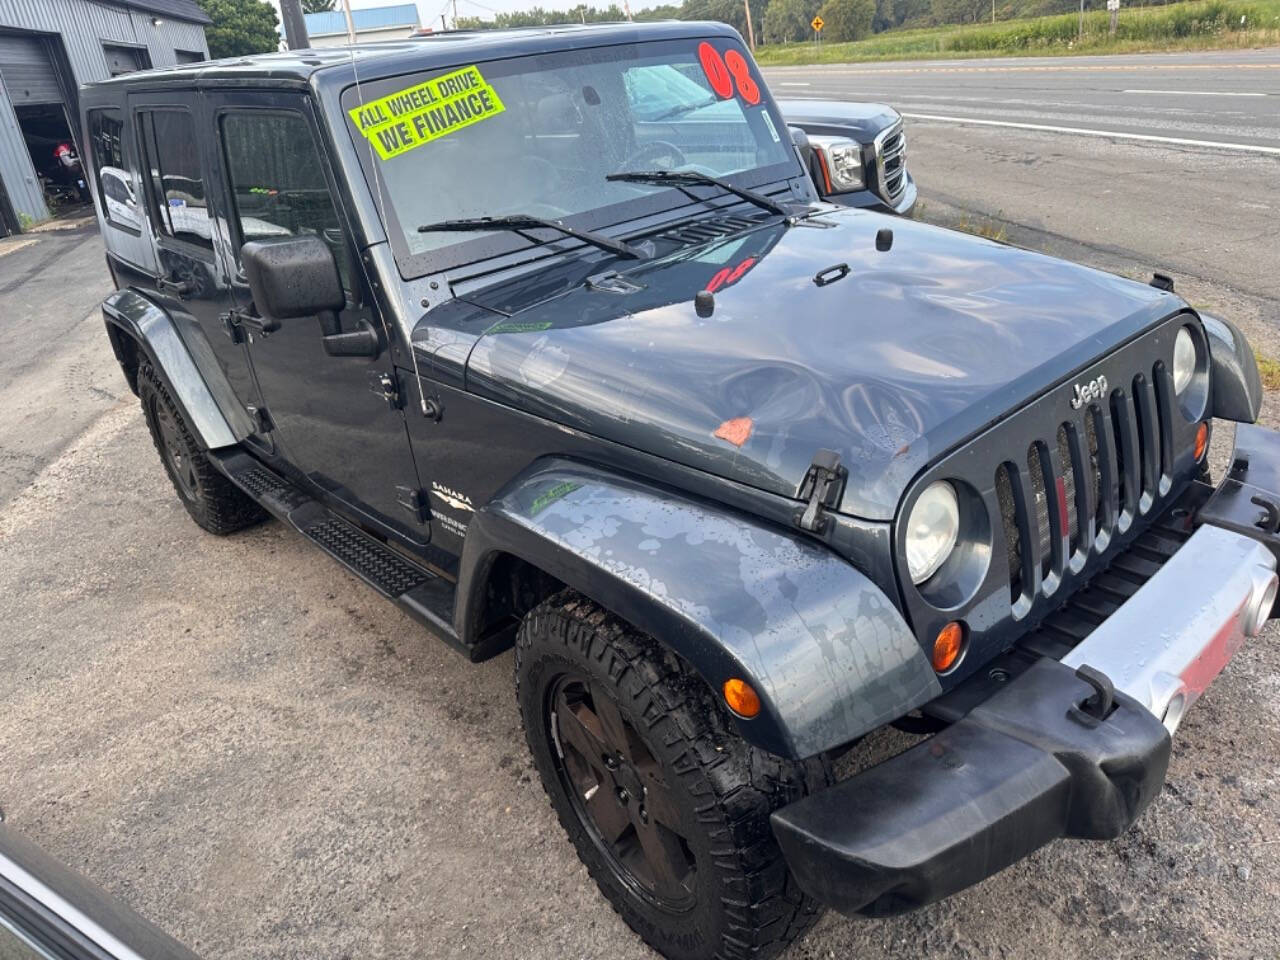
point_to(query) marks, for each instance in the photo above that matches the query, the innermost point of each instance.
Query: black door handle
(240, 318)
(179, 288)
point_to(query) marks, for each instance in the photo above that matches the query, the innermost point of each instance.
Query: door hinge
(261, 419)
(415, 501)
(822, 485)
(387, 387)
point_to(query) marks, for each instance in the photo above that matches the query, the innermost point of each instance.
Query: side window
(174, 176)
(111, 170)
(277, 181)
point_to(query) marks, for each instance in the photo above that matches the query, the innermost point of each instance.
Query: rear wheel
(211, 499)
(666, 805)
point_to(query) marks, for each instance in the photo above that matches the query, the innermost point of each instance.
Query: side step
(424, 595)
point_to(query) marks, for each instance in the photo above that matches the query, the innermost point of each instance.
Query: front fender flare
(828, 653)
(159, 338)
(1235, 381)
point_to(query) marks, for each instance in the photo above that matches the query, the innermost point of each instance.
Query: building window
(111, 170)
(188, 56)
(175, 179)
(122, 59)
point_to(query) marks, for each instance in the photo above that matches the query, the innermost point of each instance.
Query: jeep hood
(890, 362)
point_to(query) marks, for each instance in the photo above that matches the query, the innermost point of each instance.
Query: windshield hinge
(821, 487)
(387, 387)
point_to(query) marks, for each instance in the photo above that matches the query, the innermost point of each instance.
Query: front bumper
(1053, 753)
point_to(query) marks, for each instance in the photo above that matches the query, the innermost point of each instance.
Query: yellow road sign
(817, 24)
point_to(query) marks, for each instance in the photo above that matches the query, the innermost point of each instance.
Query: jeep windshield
(540, 136)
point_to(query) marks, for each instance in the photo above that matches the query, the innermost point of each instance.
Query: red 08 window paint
(717, 72)
(737, 67)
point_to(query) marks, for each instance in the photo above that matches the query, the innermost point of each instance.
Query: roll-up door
(29, 75)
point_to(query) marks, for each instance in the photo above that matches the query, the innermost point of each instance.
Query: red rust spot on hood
(737, 431)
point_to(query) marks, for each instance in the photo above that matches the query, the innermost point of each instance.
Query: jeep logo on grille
(1083, 393)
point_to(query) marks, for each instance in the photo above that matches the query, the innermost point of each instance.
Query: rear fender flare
(160, 340)
(826, 650)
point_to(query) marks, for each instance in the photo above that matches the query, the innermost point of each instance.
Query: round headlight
(932, 528)
(1184, 360)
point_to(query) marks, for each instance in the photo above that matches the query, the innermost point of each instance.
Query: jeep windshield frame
(573, 84)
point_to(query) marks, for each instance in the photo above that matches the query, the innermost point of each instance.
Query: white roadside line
(1200, 93)
(1112, 134)
(794, 83)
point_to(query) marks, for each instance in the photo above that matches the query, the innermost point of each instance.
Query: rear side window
(174, 176)
(277, 181)
(111, 170)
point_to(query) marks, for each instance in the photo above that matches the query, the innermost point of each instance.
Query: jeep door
(192, 279)
(329, 415)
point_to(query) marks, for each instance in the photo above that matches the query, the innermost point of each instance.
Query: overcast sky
(429, 10)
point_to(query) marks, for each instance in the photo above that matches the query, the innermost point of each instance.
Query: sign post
(1114, 7)
(817, 23)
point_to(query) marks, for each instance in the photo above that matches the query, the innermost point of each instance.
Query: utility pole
(1080, 31)
(444, 24)
(993, 11)
(455, 13)
(295, 28)
(626, 5)
(351, 26)
(751, 34)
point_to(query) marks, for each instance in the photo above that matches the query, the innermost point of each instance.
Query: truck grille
(891, 164)
(1084, 484)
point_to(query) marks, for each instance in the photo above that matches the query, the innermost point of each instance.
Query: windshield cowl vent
(704, 231)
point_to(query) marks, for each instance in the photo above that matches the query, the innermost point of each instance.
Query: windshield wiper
(662, 177)
(519, 223)
(683, 109)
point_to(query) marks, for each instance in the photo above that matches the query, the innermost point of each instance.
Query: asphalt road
(1230, 99)
(268, 760)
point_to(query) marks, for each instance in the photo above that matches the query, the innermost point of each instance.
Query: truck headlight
(1184, 360)
(839, 163)
(932, 528)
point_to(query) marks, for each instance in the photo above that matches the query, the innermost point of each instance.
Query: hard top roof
(392, 57)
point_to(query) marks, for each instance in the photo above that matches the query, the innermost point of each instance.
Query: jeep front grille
(1099, 471)
(1055, 492)
(891, 164)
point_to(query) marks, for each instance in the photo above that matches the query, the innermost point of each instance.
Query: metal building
(329, 29)
(48, 49)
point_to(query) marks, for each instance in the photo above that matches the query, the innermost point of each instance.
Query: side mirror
(295, 277)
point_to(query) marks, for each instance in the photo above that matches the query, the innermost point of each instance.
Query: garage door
(27, 70)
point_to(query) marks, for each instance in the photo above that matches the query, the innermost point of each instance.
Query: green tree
(786, 21)
(961, 11)
(240, 27)
(318, 6)
(847, 19)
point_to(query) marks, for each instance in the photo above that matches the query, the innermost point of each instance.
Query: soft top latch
(822, 485)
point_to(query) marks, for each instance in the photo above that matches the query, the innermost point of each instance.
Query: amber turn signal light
(1202, 440)
(948, 646)
(742, 700)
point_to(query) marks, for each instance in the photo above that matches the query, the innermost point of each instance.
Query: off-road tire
(746, 903)
(213, 501)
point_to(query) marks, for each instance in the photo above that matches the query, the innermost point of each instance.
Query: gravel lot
(259, 754)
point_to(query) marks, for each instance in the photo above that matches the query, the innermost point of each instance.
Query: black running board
(424, 595)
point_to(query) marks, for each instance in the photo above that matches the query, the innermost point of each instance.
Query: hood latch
(822, 485)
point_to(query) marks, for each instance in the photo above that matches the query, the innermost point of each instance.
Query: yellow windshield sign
(416, 115)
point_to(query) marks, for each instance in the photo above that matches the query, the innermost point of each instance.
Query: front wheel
(667, 806)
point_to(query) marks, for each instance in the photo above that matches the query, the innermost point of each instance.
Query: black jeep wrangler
(547, 336)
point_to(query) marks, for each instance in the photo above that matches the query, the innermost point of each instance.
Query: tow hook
(1092, 710)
